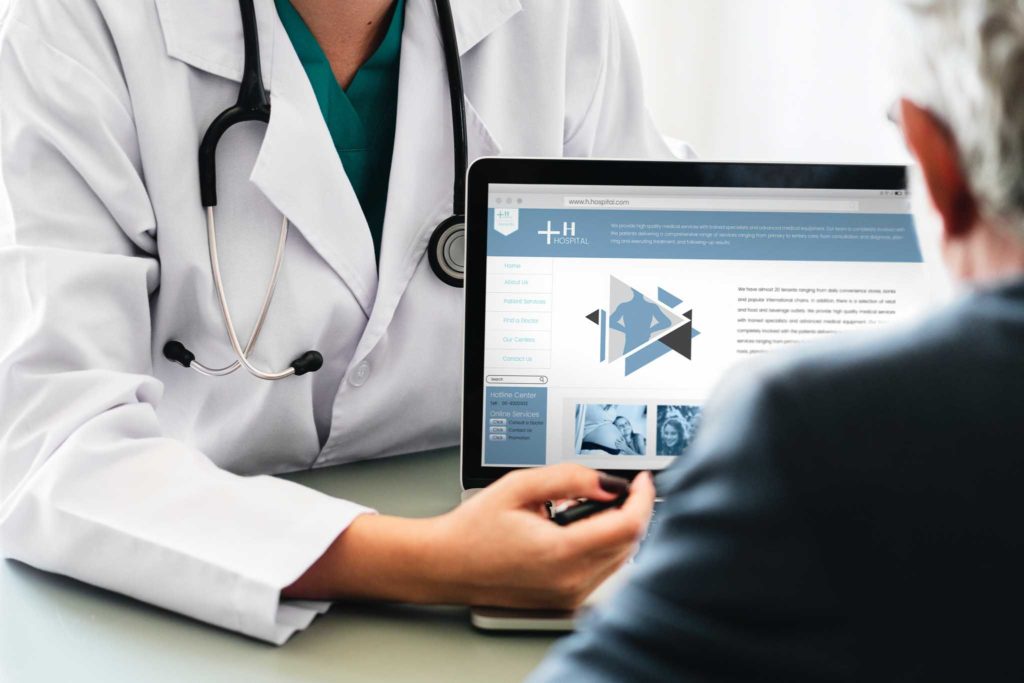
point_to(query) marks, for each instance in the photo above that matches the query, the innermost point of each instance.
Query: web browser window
(613, 311)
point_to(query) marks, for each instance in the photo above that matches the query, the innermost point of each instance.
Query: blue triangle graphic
(669, 299)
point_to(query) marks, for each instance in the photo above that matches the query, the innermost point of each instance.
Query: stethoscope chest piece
(447, 251)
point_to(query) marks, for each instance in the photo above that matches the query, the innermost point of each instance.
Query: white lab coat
(126, 471)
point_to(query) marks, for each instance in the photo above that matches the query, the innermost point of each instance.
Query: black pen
(585, 508)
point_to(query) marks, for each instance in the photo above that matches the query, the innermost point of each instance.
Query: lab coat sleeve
(606, 113)
(90, 487)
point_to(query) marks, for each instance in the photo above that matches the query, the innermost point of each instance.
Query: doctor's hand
(506, 551)
(498, 548)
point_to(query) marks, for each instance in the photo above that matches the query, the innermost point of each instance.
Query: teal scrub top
(361, 119)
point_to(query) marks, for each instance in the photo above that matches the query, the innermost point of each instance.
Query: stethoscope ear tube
(208, 146)
(457, 94)
(310, 361)
(253, 105)
(446, 250)
(242, 355)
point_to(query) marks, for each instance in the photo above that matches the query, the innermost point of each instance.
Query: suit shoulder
(980, 327)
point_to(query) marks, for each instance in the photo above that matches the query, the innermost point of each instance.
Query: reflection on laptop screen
(613, 311)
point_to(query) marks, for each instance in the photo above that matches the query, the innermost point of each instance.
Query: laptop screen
(612, 311)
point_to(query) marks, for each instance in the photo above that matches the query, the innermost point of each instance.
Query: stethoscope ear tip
(310, 361)
(177, 352)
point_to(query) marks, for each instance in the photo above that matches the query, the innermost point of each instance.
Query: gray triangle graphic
(628, 306)
(680, 340)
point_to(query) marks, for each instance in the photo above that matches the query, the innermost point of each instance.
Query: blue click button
(498, 437)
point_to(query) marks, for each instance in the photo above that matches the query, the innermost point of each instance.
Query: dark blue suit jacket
(853, 511)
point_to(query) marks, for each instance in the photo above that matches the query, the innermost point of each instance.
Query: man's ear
(933, 145)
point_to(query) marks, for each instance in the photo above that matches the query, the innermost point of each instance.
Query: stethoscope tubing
(211, 234)
(457, 94)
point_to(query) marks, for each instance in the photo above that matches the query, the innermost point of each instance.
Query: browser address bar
(712, 203)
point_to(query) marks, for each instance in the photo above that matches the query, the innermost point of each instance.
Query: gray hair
(965, 63)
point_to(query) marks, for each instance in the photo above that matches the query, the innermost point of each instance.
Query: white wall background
(779, 80)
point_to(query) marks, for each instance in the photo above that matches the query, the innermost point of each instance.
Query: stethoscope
(445, 251)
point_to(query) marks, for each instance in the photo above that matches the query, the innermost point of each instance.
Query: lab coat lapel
(297, 167)
(299, 171)
(476, 19)
(214, 42)
(420, 185)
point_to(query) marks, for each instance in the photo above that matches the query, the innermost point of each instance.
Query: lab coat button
(359, 374)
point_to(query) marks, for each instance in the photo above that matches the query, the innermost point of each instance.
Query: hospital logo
(506, 221)
(639, 330)
(564, 234)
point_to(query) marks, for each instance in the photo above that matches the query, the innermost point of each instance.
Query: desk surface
(57, 629)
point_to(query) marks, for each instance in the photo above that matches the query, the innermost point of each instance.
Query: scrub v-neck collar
(361, 119)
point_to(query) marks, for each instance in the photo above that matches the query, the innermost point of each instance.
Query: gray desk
(56, 629)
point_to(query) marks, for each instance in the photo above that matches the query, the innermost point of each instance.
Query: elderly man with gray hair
(853, 510)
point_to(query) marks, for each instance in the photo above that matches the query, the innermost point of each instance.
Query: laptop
(606, 298)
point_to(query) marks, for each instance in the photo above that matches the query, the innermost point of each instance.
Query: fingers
(531, 487)
(613, 528)
(588, 576)
(608, 565)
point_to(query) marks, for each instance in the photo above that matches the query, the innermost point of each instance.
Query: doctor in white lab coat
(129, 472)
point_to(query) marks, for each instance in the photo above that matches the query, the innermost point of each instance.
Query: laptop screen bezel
(593, 172)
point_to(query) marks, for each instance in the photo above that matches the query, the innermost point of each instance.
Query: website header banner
(713, 235)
